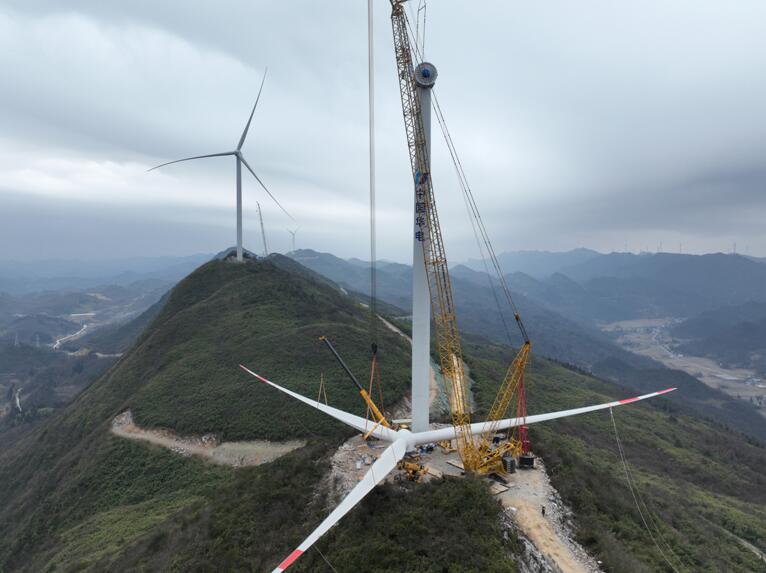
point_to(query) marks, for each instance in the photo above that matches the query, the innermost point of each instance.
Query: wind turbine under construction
(237, 153)
(484, 448)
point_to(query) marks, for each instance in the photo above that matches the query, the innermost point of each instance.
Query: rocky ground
(549, 539)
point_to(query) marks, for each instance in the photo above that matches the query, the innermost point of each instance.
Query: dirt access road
(236, 454)
(68, 337)
(552, 534)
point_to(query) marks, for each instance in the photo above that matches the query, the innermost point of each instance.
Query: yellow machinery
(380, 419)
(478, 454)
(413, 470)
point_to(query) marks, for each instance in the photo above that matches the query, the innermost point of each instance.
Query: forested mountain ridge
(74, 496)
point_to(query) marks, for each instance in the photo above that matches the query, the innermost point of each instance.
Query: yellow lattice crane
(478, 453)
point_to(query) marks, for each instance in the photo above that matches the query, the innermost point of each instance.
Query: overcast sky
(600, 124)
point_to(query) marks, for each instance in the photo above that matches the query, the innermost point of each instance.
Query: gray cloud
(579, 125)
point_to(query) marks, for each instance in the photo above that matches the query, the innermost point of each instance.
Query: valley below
(168, 459)
(652, 338)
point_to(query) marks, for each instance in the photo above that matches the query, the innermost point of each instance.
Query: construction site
(498, 447)
(372, 287)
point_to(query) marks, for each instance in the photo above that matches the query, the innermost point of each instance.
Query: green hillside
(740, 346)
(732, 335)
(73, 497)
(701, 482)
(557, 337)
(47, 379)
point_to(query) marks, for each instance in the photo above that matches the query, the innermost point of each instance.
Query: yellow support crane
(380, 419)
(478, 454)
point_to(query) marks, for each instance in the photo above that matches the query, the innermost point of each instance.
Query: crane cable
(636, 497)
(422, 7)
(420, 55)
(471, 201)
(371, 116)
(325, 559)
(492, 288)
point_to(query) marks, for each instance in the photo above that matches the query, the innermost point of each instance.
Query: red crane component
(521, 413)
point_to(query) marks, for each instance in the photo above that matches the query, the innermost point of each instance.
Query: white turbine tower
(292, 236)
(237, 153)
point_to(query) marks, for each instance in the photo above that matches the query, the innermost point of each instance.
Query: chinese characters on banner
(421, 180)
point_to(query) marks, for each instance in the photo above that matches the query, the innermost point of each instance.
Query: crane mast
(442, 305)
(477, 455)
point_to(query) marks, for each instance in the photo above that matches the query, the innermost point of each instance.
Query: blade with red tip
(449, 433)
(377, 473)
(355, 422)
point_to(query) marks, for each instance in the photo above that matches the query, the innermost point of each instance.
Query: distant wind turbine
(263, 230)
(293, 233)
(237, 153)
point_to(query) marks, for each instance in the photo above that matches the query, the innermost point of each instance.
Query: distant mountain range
(539, 264)
(622, 286)
(560, 314)
(583, 287)
(23, 277)
(553, 334)
(73, 496)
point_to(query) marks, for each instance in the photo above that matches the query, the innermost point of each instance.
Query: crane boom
(263, 231)
(477, 455)
(442, 304)
(377, 414)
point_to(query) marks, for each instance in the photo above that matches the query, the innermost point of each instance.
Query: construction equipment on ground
(378, 416)
(478, 453)
(322, 394)
(413, 469)
(446, 446)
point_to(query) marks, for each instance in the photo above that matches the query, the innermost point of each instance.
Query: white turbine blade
(191, 158)
(247, 127)
(377, 472)
(481, 427)
(250, 169)
(355, 422)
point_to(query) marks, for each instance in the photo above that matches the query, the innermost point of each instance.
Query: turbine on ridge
(293, 232)
(237, 153)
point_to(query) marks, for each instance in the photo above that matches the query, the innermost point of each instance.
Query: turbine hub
(425, 75)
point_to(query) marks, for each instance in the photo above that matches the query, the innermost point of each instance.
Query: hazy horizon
(603, 125)
(116, 261)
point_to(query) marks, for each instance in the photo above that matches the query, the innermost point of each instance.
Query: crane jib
(476, 455)
(435, 259)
